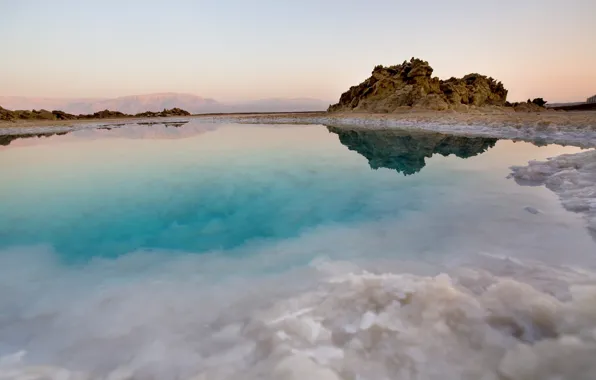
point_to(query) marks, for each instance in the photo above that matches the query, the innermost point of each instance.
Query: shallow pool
(228, 251)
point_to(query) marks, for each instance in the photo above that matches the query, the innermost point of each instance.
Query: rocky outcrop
(25, 115)
(527, 107)
(406, 151)
(7, 115)
(164, 113)
(61, 115)
(105, 114)
(411, 84)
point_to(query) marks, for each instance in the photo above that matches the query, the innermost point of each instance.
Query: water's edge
(553, 134)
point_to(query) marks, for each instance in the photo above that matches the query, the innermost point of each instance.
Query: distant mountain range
(157, 102)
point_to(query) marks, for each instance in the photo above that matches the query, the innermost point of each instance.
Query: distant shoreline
(576, 107)
(574, 128)
(489, 116)
(132, 119)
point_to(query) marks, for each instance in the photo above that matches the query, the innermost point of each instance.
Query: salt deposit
(566, 128)
(342, 322)
(571, 176)
(173, 315)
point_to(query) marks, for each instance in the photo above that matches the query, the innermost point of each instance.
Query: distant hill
(78, 106)
(157, 102)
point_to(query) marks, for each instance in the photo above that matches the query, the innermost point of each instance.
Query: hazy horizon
(159, 101)
(233, 51)
(160, 93)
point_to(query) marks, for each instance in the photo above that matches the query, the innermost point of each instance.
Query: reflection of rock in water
(175, 124)
(406, 151)
(7, 139)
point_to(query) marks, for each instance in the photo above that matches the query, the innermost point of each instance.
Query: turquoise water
(134, 241)
(92, 196)
(204, 188)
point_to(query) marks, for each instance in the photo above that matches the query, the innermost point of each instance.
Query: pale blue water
(92, 193)
(126, 234)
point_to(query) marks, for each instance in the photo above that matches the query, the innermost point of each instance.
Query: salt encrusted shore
(495, 326)
(571, 176)
(569, 128)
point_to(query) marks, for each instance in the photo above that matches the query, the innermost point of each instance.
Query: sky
(234, 50)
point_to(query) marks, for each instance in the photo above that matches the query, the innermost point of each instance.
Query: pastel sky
(239, 49)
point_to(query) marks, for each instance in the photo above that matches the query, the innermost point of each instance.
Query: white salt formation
(571, 176)
(469, 325)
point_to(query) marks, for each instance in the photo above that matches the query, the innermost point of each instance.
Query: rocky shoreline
(57, 115)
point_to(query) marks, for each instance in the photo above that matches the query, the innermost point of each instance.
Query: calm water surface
(103, 231)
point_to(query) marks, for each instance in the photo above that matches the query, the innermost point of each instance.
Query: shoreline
(565, 128)
(489, 116)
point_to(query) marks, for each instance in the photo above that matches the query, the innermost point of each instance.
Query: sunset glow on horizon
(233, 50)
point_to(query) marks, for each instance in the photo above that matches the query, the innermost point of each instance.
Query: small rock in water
(532, 210)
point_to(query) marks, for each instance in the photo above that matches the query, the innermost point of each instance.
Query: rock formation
(411, 84)
(536, 105)
(8, 115)
(164, 113)
(406, 151)
(527, 107)
(105, 114)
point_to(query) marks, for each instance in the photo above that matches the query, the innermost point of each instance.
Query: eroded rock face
(405, 151)
(411, 84)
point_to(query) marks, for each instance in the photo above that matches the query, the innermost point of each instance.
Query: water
(265, 251)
